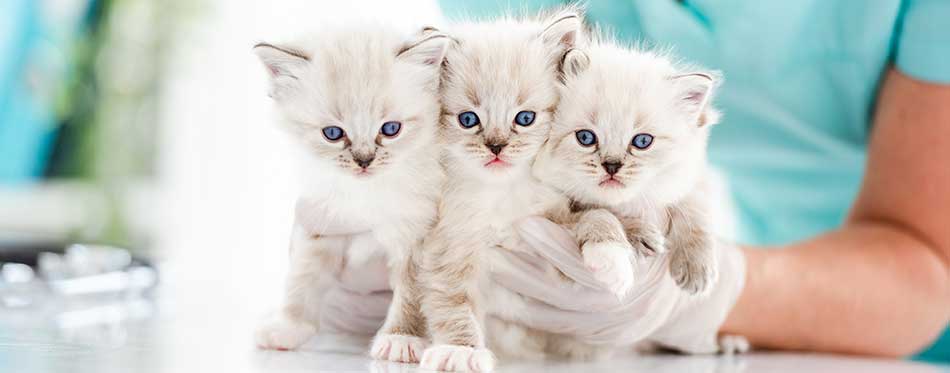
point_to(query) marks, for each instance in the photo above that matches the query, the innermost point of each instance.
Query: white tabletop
(169, 334)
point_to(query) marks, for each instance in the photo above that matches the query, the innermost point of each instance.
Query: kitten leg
(646, 235)
(450, 301)
(692, 261)
(298, 319)
(605, 249)
(402, 336)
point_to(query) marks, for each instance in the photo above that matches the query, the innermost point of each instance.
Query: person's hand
(654, 310)
(358, 301)
(359, 298)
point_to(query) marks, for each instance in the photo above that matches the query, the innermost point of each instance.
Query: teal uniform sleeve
(923, 41)
(467, 9)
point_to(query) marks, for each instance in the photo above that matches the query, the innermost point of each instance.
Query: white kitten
(362, 104)
(499, 95)
(630, 135)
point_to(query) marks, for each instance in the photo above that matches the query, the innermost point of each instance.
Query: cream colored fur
(660, 193)
(495, 69)
(358, 78)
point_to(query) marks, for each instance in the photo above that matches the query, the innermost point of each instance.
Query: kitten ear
(428, 48)
(283, 64)
(694, 92)
(564, 30)
(574, 62)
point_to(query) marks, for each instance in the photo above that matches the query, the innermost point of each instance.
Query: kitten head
(500, 90)
(360, 101)
(631, 124)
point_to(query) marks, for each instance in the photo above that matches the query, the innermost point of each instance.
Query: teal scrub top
(801, 78)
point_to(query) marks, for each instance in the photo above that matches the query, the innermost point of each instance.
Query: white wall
(228, 184)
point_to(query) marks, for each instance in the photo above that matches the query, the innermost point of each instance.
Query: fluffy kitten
(630, 136)
(500, 90)
(362, 104)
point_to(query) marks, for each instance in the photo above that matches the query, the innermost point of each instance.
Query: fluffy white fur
(358, 78)
(623, 92)
(495, 70)
(658, 193)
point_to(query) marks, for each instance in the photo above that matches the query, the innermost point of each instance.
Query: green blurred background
(79, 110)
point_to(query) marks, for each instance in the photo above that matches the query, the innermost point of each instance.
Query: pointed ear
(284, 65)
(427, 48)
(574, 62)
(694, 92)
(564, 30)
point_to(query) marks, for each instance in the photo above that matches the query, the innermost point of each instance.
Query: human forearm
(847, 291)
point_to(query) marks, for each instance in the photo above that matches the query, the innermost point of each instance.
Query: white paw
(733, 344)
(283, 334)
(452, 358)
(610, 264)
(394, 347)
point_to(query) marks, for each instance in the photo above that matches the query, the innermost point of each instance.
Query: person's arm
(880, 284)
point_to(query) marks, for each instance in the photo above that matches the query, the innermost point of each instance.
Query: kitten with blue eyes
(361, 103)
(630, 136)
(499, 92)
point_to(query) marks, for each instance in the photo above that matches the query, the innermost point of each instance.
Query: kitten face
(630, 125)
(360, 101)
(499, 93)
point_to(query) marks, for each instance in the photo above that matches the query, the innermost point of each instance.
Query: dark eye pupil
(586, 137)
(333, 133)
(391, 128)
(468, 119)
(524, 118)
(642, 141)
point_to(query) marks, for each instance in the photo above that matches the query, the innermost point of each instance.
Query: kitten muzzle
(496, 148)
(612, 167)
(364, 160)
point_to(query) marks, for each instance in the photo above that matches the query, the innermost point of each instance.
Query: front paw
(610, 264)
(395, 347)
(733, 344)
(283, 334)
(648, 242)
(454, 358)
(694, 272)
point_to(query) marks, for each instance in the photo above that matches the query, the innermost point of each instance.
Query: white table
(175, 335)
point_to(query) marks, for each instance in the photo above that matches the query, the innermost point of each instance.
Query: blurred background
(115, 113)
(142, 179)
(142, 123)
(142, 130)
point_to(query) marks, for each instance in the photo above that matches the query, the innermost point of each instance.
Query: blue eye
(333, 133)
(468, 119)
(642, 141)
(524, 118)
(390, 129)
(586, 137)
